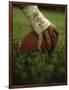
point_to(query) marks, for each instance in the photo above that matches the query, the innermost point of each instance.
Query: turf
(37, 67)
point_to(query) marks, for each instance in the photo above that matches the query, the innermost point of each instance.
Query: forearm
(36, 18)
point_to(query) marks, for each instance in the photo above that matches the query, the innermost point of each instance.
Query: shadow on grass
(37, 67)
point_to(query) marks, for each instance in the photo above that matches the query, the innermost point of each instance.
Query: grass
(37, 67)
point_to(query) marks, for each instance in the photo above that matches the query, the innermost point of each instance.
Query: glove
(51, 35)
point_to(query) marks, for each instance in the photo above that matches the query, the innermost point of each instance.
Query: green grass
(37, 67)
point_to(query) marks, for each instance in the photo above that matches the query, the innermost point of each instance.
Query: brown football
(30, 42)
